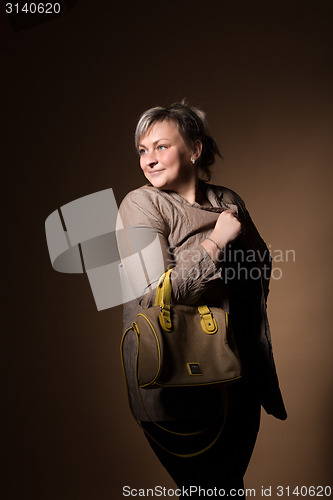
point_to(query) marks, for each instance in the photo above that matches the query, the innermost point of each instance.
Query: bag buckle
(208, 323)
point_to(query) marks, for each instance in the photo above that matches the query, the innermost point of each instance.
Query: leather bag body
(181, 345)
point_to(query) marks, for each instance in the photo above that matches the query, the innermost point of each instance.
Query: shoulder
(144, 195)
(142, 206)
(153, 200)
(142, 199)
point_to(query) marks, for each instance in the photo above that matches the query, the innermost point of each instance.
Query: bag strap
(160, 427)
(208, 323)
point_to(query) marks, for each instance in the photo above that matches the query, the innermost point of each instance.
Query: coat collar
(213, 193)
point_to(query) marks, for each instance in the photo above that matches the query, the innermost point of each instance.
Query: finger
(234, 213)
(231, 211)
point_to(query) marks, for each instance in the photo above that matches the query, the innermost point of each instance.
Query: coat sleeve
(253, 240)
(142, 236)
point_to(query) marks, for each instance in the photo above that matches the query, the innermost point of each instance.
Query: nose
(151, 159)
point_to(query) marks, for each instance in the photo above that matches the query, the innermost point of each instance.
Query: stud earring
(193, 160)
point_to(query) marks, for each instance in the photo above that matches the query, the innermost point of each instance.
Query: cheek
(184, 157)
(173, 160)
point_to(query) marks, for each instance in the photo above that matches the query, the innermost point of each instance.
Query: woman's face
(165, 158)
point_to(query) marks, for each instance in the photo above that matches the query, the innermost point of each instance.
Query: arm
(194, 270)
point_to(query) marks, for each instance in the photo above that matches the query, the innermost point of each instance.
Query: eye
(141, 152)
(161, 147)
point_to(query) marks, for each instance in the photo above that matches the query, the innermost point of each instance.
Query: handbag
(182, 346)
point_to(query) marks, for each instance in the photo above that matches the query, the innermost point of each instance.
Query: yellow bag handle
(164, 289)
(163, 299)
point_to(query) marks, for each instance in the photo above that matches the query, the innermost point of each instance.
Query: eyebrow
(155, 142)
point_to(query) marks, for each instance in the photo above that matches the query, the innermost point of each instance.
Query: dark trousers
(223, 466)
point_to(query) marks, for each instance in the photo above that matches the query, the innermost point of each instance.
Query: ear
(197, 149)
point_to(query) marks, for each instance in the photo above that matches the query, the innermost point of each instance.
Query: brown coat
(181, 227)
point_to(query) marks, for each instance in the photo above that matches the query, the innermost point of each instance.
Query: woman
(199, 227)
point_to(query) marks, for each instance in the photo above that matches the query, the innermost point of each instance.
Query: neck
(192, 193)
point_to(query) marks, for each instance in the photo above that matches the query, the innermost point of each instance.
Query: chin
(158, 184)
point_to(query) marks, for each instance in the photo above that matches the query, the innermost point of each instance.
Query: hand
(227, 228)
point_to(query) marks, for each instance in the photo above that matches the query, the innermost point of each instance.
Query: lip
(153, 172)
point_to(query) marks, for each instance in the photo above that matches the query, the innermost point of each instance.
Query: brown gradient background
(72, 90)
